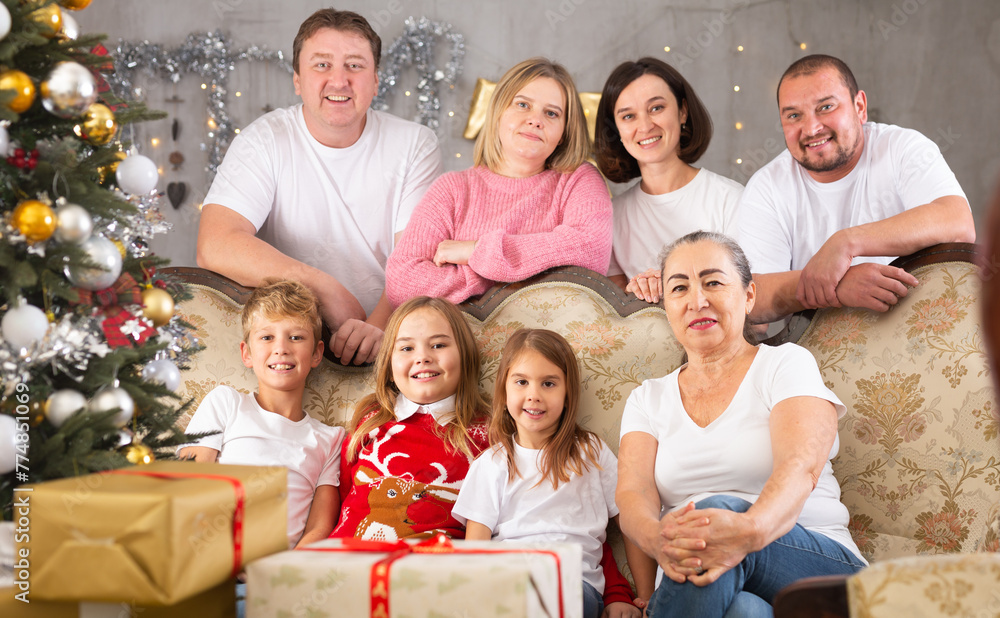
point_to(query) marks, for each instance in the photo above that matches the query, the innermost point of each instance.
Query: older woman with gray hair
(724, 475)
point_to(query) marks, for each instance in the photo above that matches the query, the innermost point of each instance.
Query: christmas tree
(89, 342)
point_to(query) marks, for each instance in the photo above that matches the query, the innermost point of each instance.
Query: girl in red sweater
(413, 438)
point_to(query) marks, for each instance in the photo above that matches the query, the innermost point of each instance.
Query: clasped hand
(454, 252)
(699, 545)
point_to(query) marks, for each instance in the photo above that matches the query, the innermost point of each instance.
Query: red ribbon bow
(124, 291)
(437, 544)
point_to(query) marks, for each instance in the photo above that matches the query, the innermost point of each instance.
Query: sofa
(919, 461)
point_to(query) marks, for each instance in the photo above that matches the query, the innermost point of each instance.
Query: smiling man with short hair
(321, 191)
(821, 222)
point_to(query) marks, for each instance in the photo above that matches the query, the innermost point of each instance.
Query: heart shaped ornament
(176, 192)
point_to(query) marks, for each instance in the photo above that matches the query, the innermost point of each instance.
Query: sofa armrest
(813, 597)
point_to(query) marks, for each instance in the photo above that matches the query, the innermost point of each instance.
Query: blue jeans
(593, 604)
(749, 587)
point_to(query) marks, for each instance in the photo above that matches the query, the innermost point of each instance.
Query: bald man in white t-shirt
(820, 223)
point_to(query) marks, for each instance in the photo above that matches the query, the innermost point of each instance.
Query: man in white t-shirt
(320, 192)
(821, 222)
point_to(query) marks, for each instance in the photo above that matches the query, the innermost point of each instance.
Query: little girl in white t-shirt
(545, 479)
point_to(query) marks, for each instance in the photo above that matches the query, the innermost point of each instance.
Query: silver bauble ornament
(105, 254)
(63, 404)
(4, 21)
(137, 175)
(75, 224)
(70, 29)
(4, 140)
(112, 397)
(68, 90)
(8, 443)
(163, 371)
(24, 325)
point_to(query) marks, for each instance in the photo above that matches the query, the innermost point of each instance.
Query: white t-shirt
(336, 209)
(732, 456)
(252, 436)
(644, 223)
(528, 509)
(786, 216)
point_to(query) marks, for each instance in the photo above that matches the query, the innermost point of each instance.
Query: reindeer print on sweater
(404, 482)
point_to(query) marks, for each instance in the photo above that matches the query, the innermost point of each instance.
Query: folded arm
(228, 245)
(946, 219)
(582, 238)
(411, 270)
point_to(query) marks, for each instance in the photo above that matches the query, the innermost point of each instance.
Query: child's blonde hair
(571, 448)
(469, 405)
(277, 299)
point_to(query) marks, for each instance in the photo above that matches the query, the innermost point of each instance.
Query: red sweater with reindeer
(404, 482)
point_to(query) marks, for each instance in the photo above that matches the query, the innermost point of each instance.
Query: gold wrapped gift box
(219, 602)
(339, 583)
(125, 538)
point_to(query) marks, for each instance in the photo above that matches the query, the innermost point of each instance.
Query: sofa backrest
(919, 462)
(618, 344)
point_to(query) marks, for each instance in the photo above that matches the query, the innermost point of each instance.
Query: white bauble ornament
(75, 224)
(111, 397)
(70, 29)
(105, 254)
(8, 443)
(24, 325)
(63, 404)
(4, 139)
(68, 90)
(163, 371)
(4, 21)
(137, 175)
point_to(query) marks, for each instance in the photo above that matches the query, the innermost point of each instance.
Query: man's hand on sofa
(874, 286)
(356, 341)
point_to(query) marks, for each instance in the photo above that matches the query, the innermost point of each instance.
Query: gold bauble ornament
(36, 220)
(74, 5)
(110, 168)
(158, 306)
(138, 454)
(98, 126)
(19, 82)
(48, 19)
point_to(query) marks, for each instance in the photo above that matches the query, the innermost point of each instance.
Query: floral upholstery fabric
(950, 585)
(332, 390)
(616, 354)
(919, 462)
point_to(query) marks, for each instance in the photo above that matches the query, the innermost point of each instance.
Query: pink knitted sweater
(523, 226)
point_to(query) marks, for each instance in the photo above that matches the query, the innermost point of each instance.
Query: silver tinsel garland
(211, 56)
(415, 47)
(67, 346)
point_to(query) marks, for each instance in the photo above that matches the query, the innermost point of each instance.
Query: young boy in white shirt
(281, 343)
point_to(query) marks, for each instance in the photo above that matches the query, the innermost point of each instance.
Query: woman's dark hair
(614, 161)
(736, 255)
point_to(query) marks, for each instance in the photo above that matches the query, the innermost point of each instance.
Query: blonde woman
(529, 203)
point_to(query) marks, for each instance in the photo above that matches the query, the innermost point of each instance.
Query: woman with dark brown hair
(651, 124)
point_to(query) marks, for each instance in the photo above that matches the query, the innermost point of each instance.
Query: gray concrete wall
(933, 65)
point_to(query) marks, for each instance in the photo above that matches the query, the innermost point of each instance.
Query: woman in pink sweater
(531, 201)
